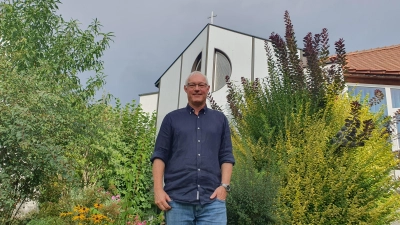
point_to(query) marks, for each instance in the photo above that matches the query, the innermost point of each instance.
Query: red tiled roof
(385, 60)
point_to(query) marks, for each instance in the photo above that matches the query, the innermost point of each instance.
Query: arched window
(197, 63)
(222, 68)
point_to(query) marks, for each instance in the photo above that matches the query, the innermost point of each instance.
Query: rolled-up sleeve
(225, 152)
(163, 142)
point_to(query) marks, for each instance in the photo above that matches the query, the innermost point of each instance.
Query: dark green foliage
(252, 198)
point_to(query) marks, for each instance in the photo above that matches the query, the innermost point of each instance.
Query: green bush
(47, 221)
(306, 152)
(250, 201)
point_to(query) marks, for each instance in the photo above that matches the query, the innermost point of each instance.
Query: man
(193, 152)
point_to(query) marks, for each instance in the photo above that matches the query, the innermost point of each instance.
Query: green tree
(311, 154)
(92, 148)
(41, 56)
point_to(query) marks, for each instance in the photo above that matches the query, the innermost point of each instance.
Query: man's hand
(220, 193)
(161, 199)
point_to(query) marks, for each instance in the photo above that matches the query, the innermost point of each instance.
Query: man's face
(197, 90)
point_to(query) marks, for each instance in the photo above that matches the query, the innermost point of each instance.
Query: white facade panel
(198, 46)
(260, 59)
(238, 48)
(148, 102)
(168, 91)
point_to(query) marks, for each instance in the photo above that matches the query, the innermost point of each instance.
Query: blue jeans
(187, 214)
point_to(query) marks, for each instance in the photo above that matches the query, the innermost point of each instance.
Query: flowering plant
(86, 215)
(136, 221)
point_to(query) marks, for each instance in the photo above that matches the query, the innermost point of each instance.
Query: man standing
(193, 153)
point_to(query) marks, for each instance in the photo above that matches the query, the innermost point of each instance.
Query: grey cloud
(151, 34)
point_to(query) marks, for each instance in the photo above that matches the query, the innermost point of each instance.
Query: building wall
(168, 91)
(260, 58)
(148, 102)
(246, 54)
(198, 46)
(171, 93)
(238, 48)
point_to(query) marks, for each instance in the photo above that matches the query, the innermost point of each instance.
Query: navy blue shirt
(193, 149)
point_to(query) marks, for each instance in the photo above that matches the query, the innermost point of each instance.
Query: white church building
(218, 51)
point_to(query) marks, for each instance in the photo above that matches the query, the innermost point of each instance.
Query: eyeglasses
(193, 85)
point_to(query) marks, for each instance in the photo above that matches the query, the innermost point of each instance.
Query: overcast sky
(150, 35)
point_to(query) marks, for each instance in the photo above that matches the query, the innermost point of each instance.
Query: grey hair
(194, 73)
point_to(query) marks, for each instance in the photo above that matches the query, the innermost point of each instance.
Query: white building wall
(148, 102)
(198, 46)
(246, 54)
(168, 91)
(238, 48)
(260, 59)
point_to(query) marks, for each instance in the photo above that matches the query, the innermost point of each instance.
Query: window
(395, 93)
(395, 97)
(197, 63)
(398, 135)
(222, 68)
(364, 91)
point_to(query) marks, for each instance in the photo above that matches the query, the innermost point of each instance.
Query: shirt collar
(190, 110)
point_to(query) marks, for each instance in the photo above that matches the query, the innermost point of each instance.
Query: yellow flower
(98, 206)
(83, 210)
(77, 208)
(97, 218)
(80, 216)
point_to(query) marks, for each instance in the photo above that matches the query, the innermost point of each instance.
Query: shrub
(251, 201)
(306, 152)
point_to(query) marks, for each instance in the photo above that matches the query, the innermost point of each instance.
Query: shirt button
(199, 154)
(198, 185)
(198, 169)
(198, 117)
(198, 128)
(198, 140)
